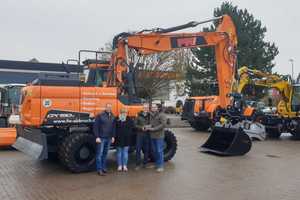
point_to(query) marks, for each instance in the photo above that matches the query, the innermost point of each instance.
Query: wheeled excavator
(9, 116)
(285, 118)
(57, 112)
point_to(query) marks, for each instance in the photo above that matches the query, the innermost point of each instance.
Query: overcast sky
(54, 30)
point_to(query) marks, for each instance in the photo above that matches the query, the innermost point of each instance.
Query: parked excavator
(285, 118)
(57, 112)
(9, 112)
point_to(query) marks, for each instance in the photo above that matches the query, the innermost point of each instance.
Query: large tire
(273, 133)
(296, 132)
(198, 126)
(170, 145)
(77, 152)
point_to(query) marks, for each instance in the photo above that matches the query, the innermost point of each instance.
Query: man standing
(143, 140)
(158, 122)
(104, 130)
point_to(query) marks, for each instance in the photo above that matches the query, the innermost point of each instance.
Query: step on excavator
(57, 113)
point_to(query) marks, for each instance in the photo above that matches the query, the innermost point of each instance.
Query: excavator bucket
(227, 142)
(7, 136)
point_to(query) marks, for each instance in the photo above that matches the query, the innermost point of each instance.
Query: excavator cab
(9, 104)
(3, 105)
(295, 103)
(97, 72)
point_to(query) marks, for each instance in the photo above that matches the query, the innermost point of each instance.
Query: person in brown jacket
(157, 125)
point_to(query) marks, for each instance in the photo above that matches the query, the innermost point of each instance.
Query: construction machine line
(57, 112)
(285, 118)
(9, 112)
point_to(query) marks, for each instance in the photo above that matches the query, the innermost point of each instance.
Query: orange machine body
(224, 39)
(76, 104)
(210, 103)
(7, 136)
(39, 100)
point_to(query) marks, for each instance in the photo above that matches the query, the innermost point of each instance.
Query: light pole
(292, 63)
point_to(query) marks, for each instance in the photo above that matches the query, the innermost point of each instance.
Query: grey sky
(54, 30)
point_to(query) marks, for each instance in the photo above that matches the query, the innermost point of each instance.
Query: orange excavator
(57, 112)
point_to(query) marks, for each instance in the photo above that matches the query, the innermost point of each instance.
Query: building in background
(21, 72)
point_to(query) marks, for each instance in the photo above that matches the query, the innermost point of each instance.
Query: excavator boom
(224, 39)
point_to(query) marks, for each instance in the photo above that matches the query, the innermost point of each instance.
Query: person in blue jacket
(105, 130)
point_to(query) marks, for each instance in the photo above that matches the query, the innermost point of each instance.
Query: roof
(40, 66)
(21, 72)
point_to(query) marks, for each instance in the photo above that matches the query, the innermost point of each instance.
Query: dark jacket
(141, 121)
(158, 123)
(124, 132)
(105, 125)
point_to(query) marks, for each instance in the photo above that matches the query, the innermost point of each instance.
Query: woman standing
(124, 131)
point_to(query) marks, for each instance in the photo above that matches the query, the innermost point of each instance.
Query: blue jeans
(143, 142)
(158, 151)
(101, 153)
(122, 156)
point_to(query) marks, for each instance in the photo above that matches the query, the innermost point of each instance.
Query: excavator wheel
(200, 126)
(296, 133)
(273, 133)
(77, 152)
(170, 145)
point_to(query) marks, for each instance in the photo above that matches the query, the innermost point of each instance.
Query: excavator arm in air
(224, 41)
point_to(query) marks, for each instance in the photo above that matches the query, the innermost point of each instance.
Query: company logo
(60, 115)
(47, 103)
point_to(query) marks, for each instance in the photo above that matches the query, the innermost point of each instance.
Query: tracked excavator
(57, 112)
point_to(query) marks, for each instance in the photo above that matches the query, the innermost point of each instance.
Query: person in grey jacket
(158, 123)
(105, 130)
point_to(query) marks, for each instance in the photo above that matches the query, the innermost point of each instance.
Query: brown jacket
(158, 123)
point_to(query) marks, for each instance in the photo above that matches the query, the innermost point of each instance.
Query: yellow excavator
(285, 117)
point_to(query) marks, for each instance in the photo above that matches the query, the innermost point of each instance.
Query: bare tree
(154, 72)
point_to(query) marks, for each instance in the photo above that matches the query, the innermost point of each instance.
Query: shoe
(101, 173)
(125, 169)
(119, 168)
(160, 169)
(137, 168)
(105, 171)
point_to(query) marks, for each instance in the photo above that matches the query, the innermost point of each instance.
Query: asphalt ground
(269, 171)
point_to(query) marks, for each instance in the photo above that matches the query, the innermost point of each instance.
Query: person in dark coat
(143, 140)
(124, 132)
(105, 130)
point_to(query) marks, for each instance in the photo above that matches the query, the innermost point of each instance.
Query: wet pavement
(269, 171)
